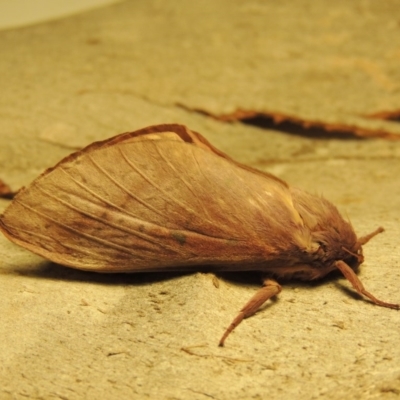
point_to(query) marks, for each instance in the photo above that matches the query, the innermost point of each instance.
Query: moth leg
(270, 289)
(351, 276)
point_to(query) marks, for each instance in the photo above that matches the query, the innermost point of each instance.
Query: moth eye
(321, 247)
(316, 247)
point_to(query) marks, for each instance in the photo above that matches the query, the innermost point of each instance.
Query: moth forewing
(151, 210)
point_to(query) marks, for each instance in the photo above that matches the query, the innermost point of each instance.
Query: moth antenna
(364, 239)
(270, 289)
(359, 257)
(351, 276)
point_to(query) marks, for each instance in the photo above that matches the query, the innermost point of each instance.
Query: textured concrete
(70, 335)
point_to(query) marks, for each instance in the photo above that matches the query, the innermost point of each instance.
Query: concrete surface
(67, 334)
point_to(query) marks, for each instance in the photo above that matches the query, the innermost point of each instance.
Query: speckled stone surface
(68, 334)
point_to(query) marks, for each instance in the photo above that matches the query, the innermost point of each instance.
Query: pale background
(68, 334)
(17, 13)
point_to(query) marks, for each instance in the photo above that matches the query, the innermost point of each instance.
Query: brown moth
(164, 199)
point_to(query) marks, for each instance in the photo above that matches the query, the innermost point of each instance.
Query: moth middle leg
(270, 289)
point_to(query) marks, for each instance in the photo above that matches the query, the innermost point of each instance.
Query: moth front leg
(270, 289)
(351, 276)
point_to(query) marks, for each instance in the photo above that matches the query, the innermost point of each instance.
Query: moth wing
(156, 199)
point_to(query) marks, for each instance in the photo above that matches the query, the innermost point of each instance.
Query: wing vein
(181, 178)
(141, 235)
(201, 172)
(232, 215)
(122, 187)
(79, 233)
(97, 196)
(146, 178)
(64, 243)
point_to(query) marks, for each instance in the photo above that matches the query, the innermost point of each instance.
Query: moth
(164, 199)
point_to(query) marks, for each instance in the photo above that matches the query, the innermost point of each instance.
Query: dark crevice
(5, 191)
(294, 125)
(392, 116)
(296, 128)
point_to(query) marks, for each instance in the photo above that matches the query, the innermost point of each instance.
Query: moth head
(354, 259)
(356, 253)
(332, 238)
(345, 247)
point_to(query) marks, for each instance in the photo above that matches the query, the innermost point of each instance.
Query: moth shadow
(241, 278)
(255, 278)
(51, 271)
(349, 291)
